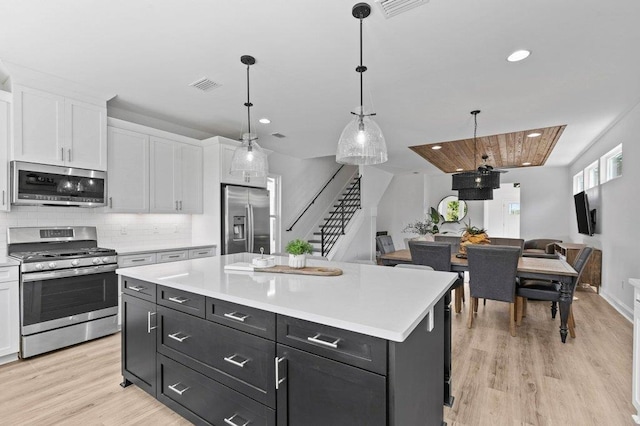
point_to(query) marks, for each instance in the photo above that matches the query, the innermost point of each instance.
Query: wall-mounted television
(585, 216)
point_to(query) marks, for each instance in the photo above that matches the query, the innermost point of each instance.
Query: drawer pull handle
(149, 328)
(231, 360)
(174, 388)
(141, 259)
(173, 256)
(231, 421)
(315, 339)
(179, 299)
(236, 316)
(175, 336)
(136, 288)
(278, 379)
(203, 252)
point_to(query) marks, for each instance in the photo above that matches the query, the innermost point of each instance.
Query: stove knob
(39, 266)
(75, 262)
(105, 260)
(96, 260)
(52, 265)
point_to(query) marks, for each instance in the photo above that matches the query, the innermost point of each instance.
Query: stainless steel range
(68, 287)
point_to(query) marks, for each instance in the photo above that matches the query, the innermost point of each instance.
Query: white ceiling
(428, 67)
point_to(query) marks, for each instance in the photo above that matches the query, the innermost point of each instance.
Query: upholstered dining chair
(438, 256)
(550, 291)
(492, 275)
(384, 244)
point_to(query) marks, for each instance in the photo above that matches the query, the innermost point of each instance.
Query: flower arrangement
(427, 226)
(472, 235)
(298, 247)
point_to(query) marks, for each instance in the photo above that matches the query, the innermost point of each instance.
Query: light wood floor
(531, 379)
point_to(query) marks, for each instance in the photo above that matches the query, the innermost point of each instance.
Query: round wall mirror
(452, 209)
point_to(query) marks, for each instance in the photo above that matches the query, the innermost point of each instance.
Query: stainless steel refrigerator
(245, 220)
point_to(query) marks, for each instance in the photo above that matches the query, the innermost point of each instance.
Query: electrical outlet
(123, 230)
(156, 229)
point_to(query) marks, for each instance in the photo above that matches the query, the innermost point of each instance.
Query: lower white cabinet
(9, 314)
(635, 386)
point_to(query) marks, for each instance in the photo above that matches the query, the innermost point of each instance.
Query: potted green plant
(427, 227)
(472, 235)
(297, 250)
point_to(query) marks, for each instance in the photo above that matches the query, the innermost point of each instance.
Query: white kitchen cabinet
(226, 154)
(128, 171)
(5, 137)
(9, 318)
(176, 177)
(53, 129)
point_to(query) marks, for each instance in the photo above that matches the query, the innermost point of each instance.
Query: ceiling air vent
(391, 8)
(278, 135)
(205, 84)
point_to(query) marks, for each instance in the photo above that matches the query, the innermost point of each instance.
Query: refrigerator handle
(249, 229)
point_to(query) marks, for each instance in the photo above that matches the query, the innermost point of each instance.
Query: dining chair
(438, 256)
(502, 241)
(492, 275)
(384, 244)
(550, 291)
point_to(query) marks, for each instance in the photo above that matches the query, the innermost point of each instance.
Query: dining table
(528, 268)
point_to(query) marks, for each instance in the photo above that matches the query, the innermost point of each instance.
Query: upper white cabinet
(53, 129)
(128, 172)
(152, 174)
(5, 137)
(176, 168)
(226, 154)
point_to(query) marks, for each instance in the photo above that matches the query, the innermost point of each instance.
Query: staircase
(333, 227)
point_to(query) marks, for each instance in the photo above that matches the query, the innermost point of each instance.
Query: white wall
(617, 203)
(141, 229)
(401, 204)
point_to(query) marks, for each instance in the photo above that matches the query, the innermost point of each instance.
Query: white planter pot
(297, 260)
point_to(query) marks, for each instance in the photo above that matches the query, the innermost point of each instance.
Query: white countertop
(126, 250)
(375, 300)
(8, 261)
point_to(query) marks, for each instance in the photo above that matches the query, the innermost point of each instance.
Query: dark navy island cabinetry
(222, 363)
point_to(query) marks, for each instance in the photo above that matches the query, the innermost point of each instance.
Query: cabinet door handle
(69, 151)
(315, 339)
(174, 388)
(278, 379)
(149, 328)
(179, 299)
(180, 204)
(110, 202)
(231, 421)
(135, 287)
(176, 204)
(62, 153)
(235, 316)
(3, 197)
(231, 360)
(176, 336)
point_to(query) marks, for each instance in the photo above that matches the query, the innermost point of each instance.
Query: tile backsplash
(114, 230)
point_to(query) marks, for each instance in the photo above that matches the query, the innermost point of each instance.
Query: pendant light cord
(248, 105)
(361, 69)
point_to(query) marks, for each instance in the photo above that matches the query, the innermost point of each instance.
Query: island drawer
(172, 256)
(182, 388)
(359, 350)
(252, 320)
(181, 300)
(142, 289)
(239, 360)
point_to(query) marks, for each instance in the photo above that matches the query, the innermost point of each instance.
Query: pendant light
(478, 184)
(249, 160)
(361, 141)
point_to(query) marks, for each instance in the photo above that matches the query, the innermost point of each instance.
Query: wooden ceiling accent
(506, 150)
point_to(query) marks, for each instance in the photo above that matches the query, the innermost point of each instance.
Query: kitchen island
(235, 347)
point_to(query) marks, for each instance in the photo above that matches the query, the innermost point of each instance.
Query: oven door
(56, 299)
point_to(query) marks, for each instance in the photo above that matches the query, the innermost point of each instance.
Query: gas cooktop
(36, 256)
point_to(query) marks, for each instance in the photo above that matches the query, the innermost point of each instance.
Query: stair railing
(335, 224)
(315, 198)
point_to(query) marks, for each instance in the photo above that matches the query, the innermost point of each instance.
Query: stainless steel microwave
(45, 184)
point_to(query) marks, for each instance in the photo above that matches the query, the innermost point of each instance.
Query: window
(612, 164)
(591, 175)
(578, 182)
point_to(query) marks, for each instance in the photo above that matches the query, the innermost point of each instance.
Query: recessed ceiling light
(526, 164)
(459, 169)
(264, 120)
(436, 147)
(533, 135)
(518, 55)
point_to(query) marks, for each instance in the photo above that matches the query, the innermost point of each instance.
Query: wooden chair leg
(474, 303)
(519, 309)
(470, 319)
(459, 296)
(512, 319)
(571, 324)
(525, 303)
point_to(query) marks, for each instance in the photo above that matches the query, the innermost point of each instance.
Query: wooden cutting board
(308, 270)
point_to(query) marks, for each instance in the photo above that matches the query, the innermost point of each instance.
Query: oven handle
(37, 276)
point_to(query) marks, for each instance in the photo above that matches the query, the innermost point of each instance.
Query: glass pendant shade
(249, 160)
(361, 143)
